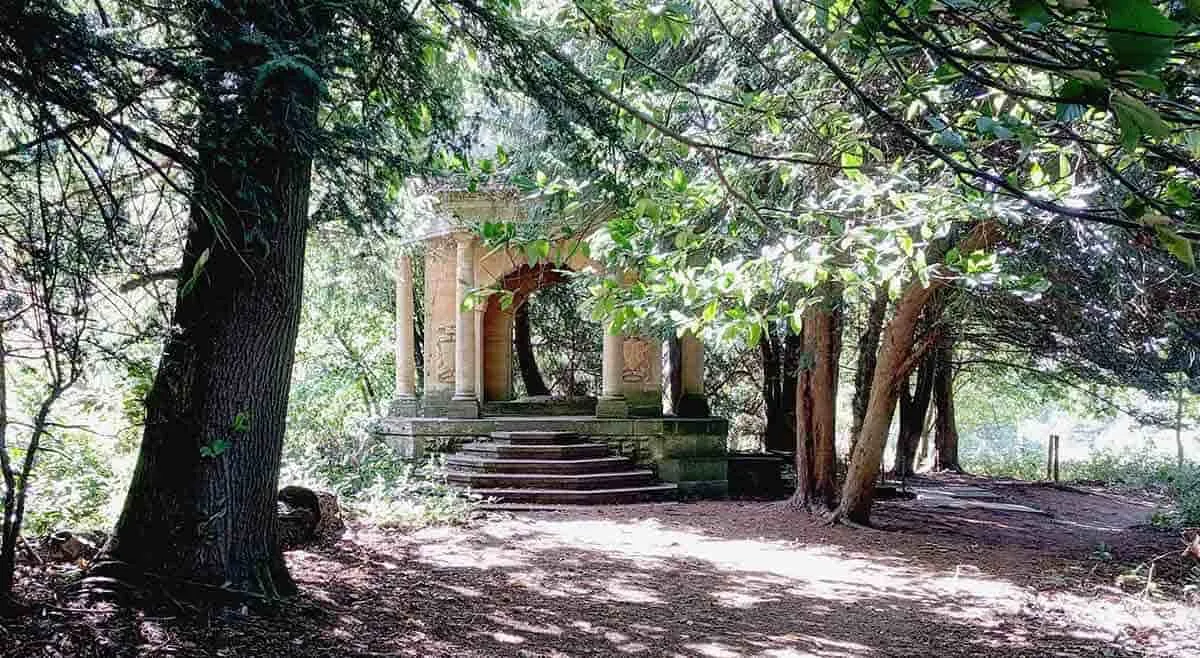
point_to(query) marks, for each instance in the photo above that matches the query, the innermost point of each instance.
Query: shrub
(417, 496)
(1186, 492)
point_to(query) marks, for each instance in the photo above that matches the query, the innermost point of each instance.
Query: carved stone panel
(444, 354)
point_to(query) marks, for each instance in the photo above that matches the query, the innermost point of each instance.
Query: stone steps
(564, 466)
(617, 496)
(540, 467)
(537, 437)
(537, 451)
(573, 481)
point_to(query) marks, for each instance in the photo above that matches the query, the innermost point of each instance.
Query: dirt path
(729, 579)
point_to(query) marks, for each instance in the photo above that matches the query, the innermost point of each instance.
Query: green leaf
(773, 124)
(852, 162)
(1180, 193)
(241, 422)
(1176, 245)
(1032, 13)
(215, 448)
(755, 334)
(1136, 119)
(197, 270)
(1132, 25)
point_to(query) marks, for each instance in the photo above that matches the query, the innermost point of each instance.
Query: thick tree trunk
(201, 506)
(913, 406)
(780, 352)
(673, 374)
(868, 347)
(526, 360)
(945, 441)
(894, 363)
(816, 409)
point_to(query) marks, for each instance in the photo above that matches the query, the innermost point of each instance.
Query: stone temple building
(616, 446)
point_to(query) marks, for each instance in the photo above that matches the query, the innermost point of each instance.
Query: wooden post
(1057, 441)
(1050, 457)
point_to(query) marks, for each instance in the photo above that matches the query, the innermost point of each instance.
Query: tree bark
(816, 408)
(864, 373)
(1179, 420)
(895, 361)
(531, 376)
(926, 430)
(673, 373)
(780, 351)
(914, 404)
(201, 506)
(945, 442)
(8, 559)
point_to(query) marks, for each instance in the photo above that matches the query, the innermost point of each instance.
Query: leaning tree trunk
(201, 507)
(945, 437)
(896, 360)
(913, 406)
(531, 376)
(816, 408)
(864, 373)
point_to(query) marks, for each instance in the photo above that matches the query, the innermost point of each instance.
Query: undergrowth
(374, 484)
(1161, 473)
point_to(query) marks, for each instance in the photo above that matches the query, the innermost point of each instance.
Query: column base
(611, 407)
(692, 405)
(405, 407)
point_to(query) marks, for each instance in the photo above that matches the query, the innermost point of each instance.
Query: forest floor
(972, 567)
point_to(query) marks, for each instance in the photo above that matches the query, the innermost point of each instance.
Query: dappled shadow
(704, 579)
(591, 586)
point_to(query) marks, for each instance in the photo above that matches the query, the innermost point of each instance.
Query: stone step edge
(483, 445)
(581, 461)
(508, 434)
(589, 493)
(553, 476)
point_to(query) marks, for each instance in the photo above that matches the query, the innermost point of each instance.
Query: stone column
(465, 404)
(405, 403)
(693, 403)
(611, 403)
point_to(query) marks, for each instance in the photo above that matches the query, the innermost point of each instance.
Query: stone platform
(687, 452)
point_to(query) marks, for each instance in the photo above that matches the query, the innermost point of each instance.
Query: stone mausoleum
(610, 447)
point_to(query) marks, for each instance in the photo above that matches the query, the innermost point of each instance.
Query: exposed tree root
(121, 584)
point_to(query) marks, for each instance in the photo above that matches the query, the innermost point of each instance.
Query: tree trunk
(816, 408)
(8, 558)
(868, 346)
(945, 442)
(201, 505)
(526, 360)
(913, 406)
(673, 375)
(926, 430)
(895, 361)
(1179, 420)
(780, 352)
